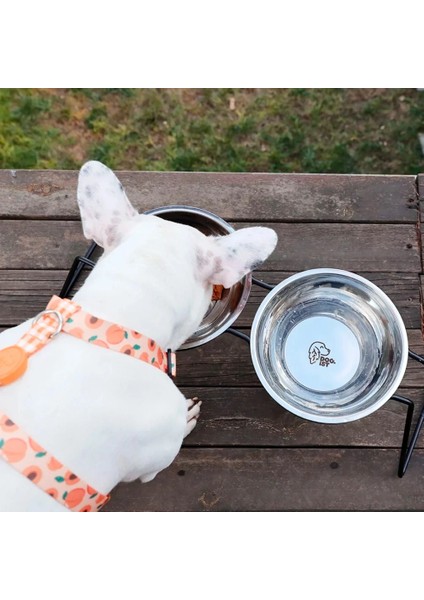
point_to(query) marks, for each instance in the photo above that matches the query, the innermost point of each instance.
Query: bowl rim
(185, 208)
(325, 418)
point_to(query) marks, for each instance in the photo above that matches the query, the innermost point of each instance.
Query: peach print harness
(17, 447)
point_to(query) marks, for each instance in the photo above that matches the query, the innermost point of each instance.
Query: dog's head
(189, 261)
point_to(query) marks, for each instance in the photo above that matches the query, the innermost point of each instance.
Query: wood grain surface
(23, 293)
(275, 479)
(255, 196)
(226, 362)
(301, 246)
(249, 417)
(248, 453)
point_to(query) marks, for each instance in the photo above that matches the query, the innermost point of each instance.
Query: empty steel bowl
(329, 345)
(221, 313)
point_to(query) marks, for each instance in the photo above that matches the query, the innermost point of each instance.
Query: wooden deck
(248, 453)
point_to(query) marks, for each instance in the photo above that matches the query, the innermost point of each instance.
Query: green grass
(268, 130)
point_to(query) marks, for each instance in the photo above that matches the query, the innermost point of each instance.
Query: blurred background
(264, 130)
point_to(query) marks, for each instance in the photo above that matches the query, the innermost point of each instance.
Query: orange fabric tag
(13, 364)
(217, 292)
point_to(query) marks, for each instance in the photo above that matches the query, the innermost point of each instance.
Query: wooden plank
(23, 293)
(227, 363)
(360, 247)
(38, 194)
(250, 417)
(421, 302)
(354, 247)
(261, 196)
(402, 288)
(40, 244)
(420, 191)
(247, 479)
(414, 376)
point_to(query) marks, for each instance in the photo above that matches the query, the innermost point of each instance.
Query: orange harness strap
(45, 471)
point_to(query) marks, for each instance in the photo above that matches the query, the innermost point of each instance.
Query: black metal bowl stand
(408, 444)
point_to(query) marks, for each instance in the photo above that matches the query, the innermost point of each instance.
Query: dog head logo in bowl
(318, 353)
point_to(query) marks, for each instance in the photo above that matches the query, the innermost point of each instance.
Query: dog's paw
(193, 412)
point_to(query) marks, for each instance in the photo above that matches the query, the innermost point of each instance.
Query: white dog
(107, 416)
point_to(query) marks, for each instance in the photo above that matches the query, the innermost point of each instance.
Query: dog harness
(16, 446)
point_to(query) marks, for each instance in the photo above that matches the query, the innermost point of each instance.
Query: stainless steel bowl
(221, 313)
(329, 345)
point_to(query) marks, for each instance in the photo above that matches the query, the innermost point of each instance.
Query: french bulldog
(106, 416)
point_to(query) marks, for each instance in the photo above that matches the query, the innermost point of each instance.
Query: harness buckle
(50, 312)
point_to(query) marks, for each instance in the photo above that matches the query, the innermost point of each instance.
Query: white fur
(106, 416)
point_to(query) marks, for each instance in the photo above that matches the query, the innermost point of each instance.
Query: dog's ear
(228, 258)
(106, 212)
